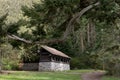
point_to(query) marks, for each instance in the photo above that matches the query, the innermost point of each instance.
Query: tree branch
(18, 38)
(66, 33)
(44, 41)
(75, 17)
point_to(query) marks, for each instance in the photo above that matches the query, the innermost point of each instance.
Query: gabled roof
(54, 51)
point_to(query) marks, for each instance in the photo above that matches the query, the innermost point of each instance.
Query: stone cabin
(50, 60)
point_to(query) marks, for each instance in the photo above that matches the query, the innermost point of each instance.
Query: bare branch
(77, 16)
(18, 38)
(44, 41)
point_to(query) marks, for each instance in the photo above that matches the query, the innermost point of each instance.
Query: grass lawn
(40, 76)
(68, 75)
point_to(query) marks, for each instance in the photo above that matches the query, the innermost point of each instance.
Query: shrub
(9, 64)
(110, 60)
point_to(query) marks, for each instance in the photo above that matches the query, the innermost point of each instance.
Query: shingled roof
(54, 51)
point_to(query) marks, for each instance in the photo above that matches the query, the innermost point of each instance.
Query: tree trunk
(88, 34)
(82, 42)
(0, 61)
(0, 67)
(91, 33)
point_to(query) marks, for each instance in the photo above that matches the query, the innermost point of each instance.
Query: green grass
(22, 75)
(66, 75)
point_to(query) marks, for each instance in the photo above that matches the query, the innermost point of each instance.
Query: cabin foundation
(53, 66)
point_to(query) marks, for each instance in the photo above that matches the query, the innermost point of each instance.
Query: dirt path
(93, 75)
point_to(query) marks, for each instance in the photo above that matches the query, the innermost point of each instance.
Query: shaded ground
(93, 75)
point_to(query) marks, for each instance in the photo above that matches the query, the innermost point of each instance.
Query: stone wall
(30, 66)
(53, 66)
